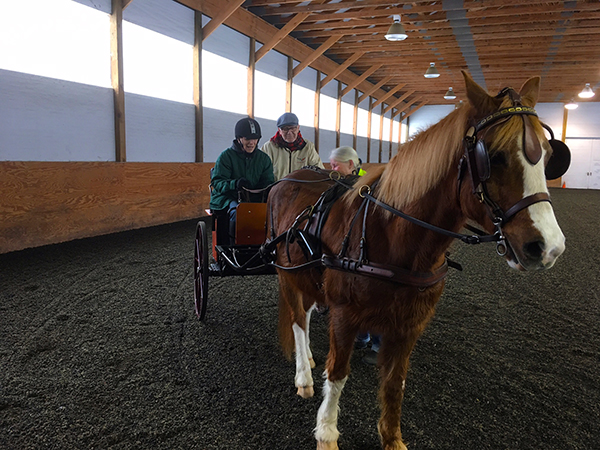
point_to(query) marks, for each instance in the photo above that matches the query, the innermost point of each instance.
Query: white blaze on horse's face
(542, 216)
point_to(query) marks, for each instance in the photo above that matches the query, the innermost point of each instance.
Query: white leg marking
(308, 351)
(327, 417)
(303, 373)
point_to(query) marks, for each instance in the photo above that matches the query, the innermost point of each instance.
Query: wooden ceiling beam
(374, 88)
(223, 15)
(418, 8)
(270, 2)
(315, 54)
(270, 11)
(251, 25)
(341, 68)
(280, 35)
(388, 95)
(414, 110)
(406, 106)
(360, 79)
(397, 101)
(544, 19)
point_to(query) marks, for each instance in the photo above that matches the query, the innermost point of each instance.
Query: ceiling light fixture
(432, 72)
(571, 105)
(587, 92)
(450, 95)
(396, 31)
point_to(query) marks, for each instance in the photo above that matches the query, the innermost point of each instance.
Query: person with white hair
(345, 160)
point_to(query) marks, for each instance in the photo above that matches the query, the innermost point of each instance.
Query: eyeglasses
(288, 129)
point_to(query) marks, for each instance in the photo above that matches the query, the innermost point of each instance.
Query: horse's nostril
(534, 250)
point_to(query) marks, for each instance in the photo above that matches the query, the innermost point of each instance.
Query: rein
(499, 217)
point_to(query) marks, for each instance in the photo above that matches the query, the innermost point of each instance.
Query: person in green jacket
(240, 167)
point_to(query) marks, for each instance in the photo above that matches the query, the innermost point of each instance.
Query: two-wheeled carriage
(229, 259)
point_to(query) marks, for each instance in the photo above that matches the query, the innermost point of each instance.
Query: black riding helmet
(247, 128)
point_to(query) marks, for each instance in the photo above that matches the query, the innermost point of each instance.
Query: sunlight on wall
(69, 41)
(404, 133)
(375, 126)
(269, 96)
(303, 105)
(327, 114)
(156, 65)
(386, 130)
(224, 84)
(362, 122)
(60, 39)
(347, 119)
(395, 137)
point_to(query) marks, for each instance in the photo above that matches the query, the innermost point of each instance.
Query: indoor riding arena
(105, 174)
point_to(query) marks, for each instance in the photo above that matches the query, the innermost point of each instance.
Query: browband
(511, 111)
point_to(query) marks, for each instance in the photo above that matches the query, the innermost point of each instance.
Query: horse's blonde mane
(421, 163)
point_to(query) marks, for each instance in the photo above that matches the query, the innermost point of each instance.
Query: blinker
(531, 143)
(560, 160)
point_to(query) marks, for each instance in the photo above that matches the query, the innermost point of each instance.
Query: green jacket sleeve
(222, 180)
(266, 177)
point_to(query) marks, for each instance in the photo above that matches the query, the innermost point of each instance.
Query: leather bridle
(498, 216)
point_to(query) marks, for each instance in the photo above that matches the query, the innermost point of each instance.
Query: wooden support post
(251, 73)
(369, 129)
(399, 132)
(380, 135)
(391, 136)
(338, 115)
(288, 85)
(116, 59)
(199, 111)
(355, 121)
(317, 109)
(564, 125)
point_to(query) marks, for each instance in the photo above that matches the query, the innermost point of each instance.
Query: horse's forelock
(424, 161)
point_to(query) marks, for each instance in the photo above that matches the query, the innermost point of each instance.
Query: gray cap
(287, 119)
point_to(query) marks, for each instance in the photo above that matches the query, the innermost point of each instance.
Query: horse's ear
(530, 91)
(478, 97)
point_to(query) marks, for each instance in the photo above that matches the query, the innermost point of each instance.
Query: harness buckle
(362, 193)
(501, 246)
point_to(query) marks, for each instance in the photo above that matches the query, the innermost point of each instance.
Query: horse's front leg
(304, 359)
(341, 344)
(393, 360)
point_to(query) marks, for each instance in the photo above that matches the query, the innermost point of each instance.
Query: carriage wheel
(200, 270)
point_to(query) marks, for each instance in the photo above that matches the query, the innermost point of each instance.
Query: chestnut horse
(432, 178)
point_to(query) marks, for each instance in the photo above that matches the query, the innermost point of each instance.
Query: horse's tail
(286, 334)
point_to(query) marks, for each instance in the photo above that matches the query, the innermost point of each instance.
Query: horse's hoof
(312, 363)
(327, 445)
(396, 446)
(306, 391)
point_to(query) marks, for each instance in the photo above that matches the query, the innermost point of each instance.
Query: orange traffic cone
(564, 185)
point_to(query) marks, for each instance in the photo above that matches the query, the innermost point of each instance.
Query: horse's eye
(498, 159)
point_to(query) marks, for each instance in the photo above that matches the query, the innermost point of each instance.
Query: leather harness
(314, 217)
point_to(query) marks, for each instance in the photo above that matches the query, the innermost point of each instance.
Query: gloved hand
(243, 183)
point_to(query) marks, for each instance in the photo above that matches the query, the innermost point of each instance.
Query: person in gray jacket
(288, 150)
